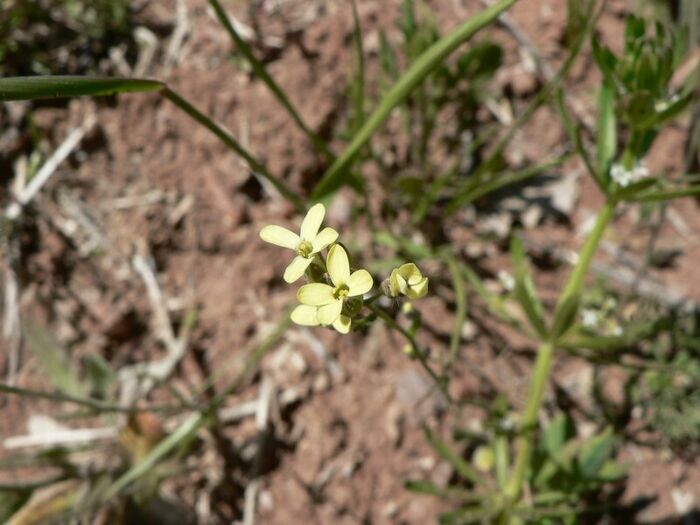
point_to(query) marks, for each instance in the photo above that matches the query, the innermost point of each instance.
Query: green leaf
(613, 471)
(446, 452)
(525, 291)
(666, 195)
(669, 112)
(595, 452)
(184, 433)
(607, 128)
(425, 487)
(606, 60)
(10, 502)
(635, 188)
(573, 130)
(559, 431)
(100, 374)
(30, 88)
(53, 359)
(426, 63)
(565, 316)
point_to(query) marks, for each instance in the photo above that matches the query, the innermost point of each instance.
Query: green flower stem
(227, 138)
(575, 281)
(545, 356)
(391, 322)
(262, 73)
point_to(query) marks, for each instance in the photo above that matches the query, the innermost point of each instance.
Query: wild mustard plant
(334, 295)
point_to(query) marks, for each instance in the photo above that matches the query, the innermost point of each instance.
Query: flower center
(341, 292)
(305, 249)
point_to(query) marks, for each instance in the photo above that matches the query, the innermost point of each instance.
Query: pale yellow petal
(419, 290)
(397, 283)
(410, 272)
(329, 313)
(280, 236)
(305, 315)
(359, 283)
(338, 265)
(296, 268)
(326, 237)
(342, 324)
(312, 222)
(316, 294)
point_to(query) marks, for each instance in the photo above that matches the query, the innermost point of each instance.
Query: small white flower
(621, 176)
(624, 177)
(506, 279)
(589, 318)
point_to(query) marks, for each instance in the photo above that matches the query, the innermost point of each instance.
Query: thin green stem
(417, 351)
(227, 138)
(545, 355)
(575, 281)
(525, 442)
(91, 403)
(262, 73)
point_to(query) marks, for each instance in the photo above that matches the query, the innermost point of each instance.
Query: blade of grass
(184, 432)
(542, 97)
(471, 193)
(53, 359)
(358, 91)
(419, 70)
(607, 128)
(197, 421)
(667, 194)
(227, 138)
(525, 291)
(41, 87)
(262, 73)
(95, 404)
(446, 452)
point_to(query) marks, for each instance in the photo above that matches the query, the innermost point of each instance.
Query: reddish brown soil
(355, 436)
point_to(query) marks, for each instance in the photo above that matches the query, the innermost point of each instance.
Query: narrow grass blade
(541, 98)
(262, 73)
(475, 190)
(525, 291)
(358, 85)
(446, 452)
(53, 359)
(30, 88)
(666, 195)
(196, 422)
(607, 128)
(418, 71)
(227, 138)
(184, 433)
(573, 130)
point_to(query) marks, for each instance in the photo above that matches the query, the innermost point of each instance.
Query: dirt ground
(146, 181)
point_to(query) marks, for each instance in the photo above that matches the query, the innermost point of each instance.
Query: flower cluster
(624, 177)
(334, 295)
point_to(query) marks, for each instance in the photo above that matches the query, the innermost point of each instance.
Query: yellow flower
(328, 299)
(306, 245)
(408, 280)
